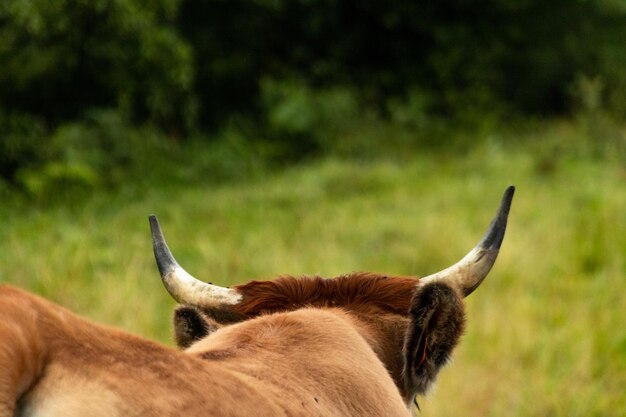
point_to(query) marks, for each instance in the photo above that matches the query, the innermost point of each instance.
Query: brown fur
(437, 322)
(288, 364)
(191, 324)
(303, 346)
(390, 314)
(362, 291)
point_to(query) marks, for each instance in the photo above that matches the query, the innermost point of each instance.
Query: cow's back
(301, 364)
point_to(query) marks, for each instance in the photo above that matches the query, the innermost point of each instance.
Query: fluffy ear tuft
(437, 322)
(191, 324)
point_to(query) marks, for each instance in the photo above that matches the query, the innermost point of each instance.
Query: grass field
(546, 331)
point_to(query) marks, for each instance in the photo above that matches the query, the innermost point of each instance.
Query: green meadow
(546, 332)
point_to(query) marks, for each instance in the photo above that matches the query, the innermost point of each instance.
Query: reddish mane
(360, 290)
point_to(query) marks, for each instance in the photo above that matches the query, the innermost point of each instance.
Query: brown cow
(357, 345)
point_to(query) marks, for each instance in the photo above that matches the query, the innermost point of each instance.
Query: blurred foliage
(89, 88)
(313, 118)
(20, 136)
(98, 151)
(469, 57)
(62, 58)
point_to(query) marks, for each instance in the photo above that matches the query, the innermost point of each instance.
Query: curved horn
(469, 272)
(183, 287)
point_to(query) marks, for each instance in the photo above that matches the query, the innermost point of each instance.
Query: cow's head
(411, 324)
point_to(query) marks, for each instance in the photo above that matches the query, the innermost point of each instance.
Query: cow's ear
(191, 324)
(437, 320)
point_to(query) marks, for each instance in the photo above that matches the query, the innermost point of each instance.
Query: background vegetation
(326, 137)
(89, 88)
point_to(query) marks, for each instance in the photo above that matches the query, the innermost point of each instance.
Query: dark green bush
(64, 60)
(286, 79)
(469, 58)
(101, 151)
(21, 137)
(61, 58)
(79, 157)
(305, 119)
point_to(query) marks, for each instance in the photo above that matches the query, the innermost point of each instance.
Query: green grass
(546, 332)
